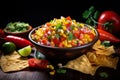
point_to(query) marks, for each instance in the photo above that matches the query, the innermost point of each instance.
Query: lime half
(26, 51)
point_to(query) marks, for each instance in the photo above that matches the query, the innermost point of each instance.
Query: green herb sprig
(91, 15)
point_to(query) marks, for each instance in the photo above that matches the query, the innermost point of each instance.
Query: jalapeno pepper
(18, 41)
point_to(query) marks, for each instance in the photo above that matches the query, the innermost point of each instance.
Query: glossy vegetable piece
(106, 36)
(8, 47)
(18, 41)
(109, 21)
(2, 35)
(38, 64)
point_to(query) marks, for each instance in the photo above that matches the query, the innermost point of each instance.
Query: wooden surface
(28, 74)
(24, 75)
(70, 75)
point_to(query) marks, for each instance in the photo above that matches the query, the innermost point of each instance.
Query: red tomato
(62, 38)
(91, 36)
(56, 41)
(44, 41)
(48, 24)
(68, 18)
(61, 45)
(112, 17)
(36, 63)
(76, 33)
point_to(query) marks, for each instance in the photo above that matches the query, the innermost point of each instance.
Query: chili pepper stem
(95, 22)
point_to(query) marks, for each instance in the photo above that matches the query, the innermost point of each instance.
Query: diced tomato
(68, 18)
(76, 33)
(91, 36)
(48, 24)
(81, 36)
(74, 43)
(62, 38)
(61, 45)
(68, 25)
(56, 41)
(47, 29)
(44, 41)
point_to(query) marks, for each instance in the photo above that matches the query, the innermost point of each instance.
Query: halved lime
(25, 51)
(8, 47)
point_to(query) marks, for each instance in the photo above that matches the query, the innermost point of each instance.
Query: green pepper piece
(70, 36)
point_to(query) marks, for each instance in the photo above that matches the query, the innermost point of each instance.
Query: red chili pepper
(38, 64)
(18, 41)
(2, 34)
(104, 35)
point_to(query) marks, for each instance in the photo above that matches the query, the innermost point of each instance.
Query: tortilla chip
(102, 50)
(98, 45)
(98, 56)
(82, 64)
(106, 51)
(102, 60)
(13, 62)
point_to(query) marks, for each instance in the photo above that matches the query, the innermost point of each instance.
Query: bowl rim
(6, 31)
(71, 48)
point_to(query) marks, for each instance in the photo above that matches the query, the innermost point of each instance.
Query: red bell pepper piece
(104, 35)
(38, 64)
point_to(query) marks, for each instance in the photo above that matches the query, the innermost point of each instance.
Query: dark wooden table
(70, 75)
(24, 75)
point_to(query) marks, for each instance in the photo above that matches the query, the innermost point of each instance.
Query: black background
(37, 12)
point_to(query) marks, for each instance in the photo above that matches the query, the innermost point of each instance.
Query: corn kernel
(61, 31)
(65, 43)
(64, 35)
(69, 45)
(93, 32)
(61, 34)
(53, 32)
(64, 27)
(69, 41)
(53, 37)
(81, 42)
(52, 73)
(75, 28)
(82, 25)
(51, 67)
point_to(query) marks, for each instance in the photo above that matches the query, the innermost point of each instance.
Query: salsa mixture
(64, 33)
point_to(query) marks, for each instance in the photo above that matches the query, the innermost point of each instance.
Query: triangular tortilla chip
(102, 60)
(13, 62)
(82, 64)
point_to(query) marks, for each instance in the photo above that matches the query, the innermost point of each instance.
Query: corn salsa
(64, 33)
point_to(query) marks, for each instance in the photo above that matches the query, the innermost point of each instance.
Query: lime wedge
(25, 51)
